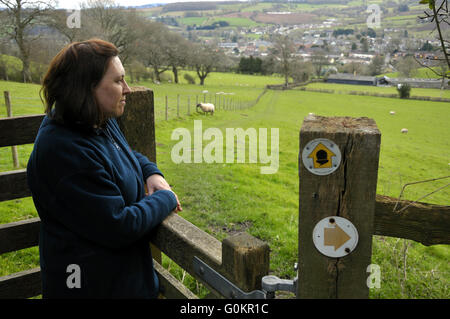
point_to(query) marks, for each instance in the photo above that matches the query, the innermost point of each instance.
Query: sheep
(392, 112)
(206, 107)
(404, 130)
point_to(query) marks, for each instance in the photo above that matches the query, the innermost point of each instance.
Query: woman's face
(111, 92)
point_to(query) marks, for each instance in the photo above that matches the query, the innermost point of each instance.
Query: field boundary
(375, 94)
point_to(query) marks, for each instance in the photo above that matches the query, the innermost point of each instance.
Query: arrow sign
(335, 237)
(321, 156)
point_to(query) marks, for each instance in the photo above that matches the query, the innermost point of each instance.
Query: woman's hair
(68, 87)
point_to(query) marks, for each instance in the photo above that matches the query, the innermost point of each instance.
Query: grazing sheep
(404, 130)
(206, 107)
(392, 112)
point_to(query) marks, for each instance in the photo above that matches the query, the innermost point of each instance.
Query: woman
(88, 185)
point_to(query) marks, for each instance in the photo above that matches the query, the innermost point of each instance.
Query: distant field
(345, 88)
(236, 21)
(225, 198)
(193, 20)
(422, 73)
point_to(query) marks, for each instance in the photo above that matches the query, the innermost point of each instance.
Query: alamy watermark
(73, 19)
(374, 18)
(374, 279)
(74, 279)
(212, 152)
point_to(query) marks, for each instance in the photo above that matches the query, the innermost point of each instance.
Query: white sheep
(404, 130)
(206, 107)
(392, 112)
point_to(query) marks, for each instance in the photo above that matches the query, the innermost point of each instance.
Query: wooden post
(348, 192)
(189, 105)
(138, 125)
(167, 108)
(15, 155)
(245, 260)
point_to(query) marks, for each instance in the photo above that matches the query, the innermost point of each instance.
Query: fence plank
(425, 223)
(170, 287)
(19, 235)
(13, 184)
(24, 284)
(181, 241)
(19, 130)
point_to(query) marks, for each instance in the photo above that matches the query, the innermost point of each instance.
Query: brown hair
(71, 78)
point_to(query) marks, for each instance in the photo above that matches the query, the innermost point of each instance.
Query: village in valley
(350, 35)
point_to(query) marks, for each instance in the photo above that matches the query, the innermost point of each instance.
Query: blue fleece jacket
(88, 189)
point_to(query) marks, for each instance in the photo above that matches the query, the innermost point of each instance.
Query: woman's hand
(156, 182)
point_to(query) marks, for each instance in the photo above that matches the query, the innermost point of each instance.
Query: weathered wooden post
(334, 253)
(189, 106)
(167, 107)
(245, 260)
(15, 154)
(138, 125)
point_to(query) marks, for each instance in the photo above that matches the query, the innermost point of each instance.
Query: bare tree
(283, 48)
(439, 14)
(407, 66)
(205, 59)
(319, 61)
(152, 43)
(106, 20)
(176, 50)
(57, 19)
(21, 17)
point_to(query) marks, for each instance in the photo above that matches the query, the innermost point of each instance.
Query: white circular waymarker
(335, 236)
(321, 156)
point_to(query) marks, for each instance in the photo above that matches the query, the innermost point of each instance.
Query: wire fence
(176, 106)
(167, 107)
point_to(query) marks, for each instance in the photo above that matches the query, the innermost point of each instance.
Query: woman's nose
(126, 88)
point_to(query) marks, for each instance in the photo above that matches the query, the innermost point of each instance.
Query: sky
(74, 4)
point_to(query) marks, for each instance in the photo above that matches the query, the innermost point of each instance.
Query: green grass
(193, 20)
(237, 22)
(346, 88)
(422, 73)
(225, 198)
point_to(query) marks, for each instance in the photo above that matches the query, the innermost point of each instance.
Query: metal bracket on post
(270, 284)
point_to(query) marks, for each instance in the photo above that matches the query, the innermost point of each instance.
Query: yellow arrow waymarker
(321, 156)
(335, 237)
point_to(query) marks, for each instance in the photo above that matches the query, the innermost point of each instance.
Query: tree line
(147, 48)
(34, 31)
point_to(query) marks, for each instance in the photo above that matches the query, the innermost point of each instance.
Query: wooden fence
(241, 258)
(181, 105)
(349, 192)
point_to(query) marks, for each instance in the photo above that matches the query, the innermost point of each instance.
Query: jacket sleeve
(148, 168)
(90, 204)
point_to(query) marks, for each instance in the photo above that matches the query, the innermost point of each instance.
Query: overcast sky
(74, 4)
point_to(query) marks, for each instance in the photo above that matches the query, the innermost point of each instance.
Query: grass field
(226, 198)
